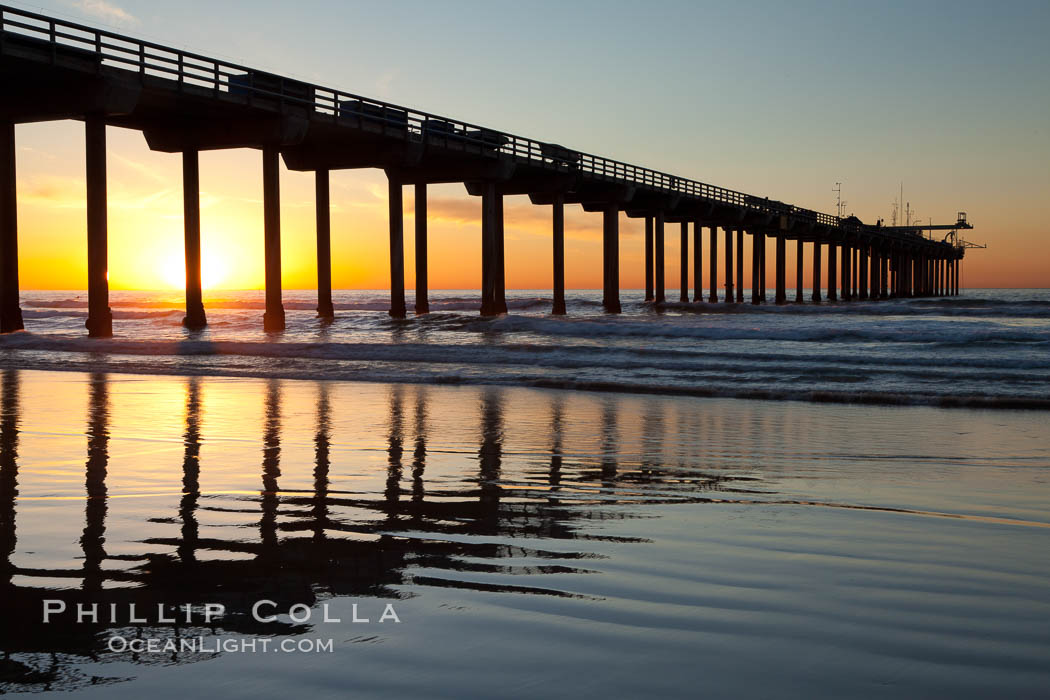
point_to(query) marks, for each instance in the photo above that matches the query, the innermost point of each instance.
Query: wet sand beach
(531, 542)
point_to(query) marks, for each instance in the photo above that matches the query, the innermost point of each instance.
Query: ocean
(527, 506)
(987, 348)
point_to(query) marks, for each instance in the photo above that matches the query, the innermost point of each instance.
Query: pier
(184, 103)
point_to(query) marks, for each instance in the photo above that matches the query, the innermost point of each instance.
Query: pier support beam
(762, 267)
(395, 202)
(191, 219)
(648, 258)
(781, 270)
(100, 319)
(611, 258)
(684, 266)
(714, 265)
(854, 273)
(559, 254)
(833, 271)
(698, 261)
(740, 266)
(273, 317)
(864, 268)
(884, 275)
(844, 271)
(322, 202)
(488, 249)
(422, 280)
(500, 279)
(816, 272)
(729, 266)
(756, 266)
(799, 264)
(658, 224)
(10, 312)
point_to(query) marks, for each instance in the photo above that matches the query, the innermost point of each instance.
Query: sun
(213, 272)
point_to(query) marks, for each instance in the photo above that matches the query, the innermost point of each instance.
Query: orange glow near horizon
(146, 238)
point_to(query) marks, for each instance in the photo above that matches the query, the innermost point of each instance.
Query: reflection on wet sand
(332, 539)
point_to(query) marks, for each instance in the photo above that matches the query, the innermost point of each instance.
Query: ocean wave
(628, 328)
(100, 363)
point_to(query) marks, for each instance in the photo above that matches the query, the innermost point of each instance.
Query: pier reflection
(478, 523)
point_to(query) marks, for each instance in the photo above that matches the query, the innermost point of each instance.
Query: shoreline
(996, 404)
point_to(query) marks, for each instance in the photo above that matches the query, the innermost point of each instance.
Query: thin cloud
(106, 11)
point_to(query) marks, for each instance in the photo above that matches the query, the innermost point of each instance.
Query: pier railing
(201, 75)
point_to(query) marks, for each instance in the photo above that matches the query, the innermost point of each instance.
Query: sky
(950, 100)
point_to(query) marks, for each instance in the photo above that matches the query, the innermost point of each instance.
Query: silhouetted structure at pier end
(182, 102)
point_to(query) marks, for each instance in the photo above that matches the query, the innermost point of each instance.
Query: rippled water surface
(533, 543)
(987, 348)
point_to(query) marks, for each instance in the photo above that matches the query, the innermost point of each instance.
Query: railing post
(422, 281)
(10, 312)
(322, 202)
(100, 319)
(191, 206)
(559, 253)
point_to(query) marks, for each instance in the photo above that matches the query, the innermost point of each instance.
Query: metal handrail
(190, 70)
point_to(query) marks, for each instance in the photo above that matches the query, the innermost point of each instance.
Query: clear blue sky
(777, 98)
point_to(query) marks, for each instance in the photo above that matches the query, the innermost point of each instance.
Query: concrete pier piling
(658, 224)
(740, 266)
(816, 272)
(799, 260)
(500, 276)
(781, 271)
(10, 311)
(191, 206)
(611, 258)
(422, 281)
(325, 309)
(648, 258)
(833, 256)
(713, 252)
(395, 202)
(756, 268)
(729, 266)
(273, 317)
(698, 261)
(558, 224)
(683, 274)
(488, 249)
(100, 319)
